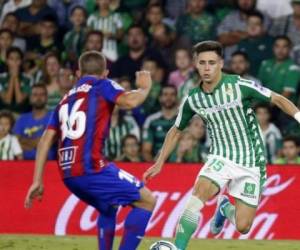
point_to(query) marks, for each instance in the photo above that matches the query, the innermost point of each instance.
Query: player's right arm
(184, 116)
(36, 189)
(134, 98)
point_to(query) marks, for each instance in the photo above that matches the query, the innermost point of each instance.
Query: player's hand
(143, 79)
(35, 191)
(152, 171)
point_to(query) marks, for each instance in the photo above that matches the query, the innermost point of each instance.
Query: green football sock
(188, 222)
(229, 212)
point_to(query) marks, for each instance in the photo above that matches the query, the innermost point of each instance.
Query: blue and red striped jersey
(82, 121)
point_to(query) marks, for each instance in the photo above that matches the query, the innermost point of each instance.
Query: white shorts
(243, 183)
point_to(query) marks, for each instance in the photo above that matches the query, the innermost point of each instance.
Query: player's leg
(137, 220)
(212, 178)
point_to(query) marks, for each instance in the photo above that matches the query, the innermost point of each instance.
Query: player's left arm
(36, 189)
(285, 105)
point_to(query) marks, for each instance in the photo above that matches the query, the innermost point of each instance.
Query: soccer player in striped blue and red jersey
(81, 122)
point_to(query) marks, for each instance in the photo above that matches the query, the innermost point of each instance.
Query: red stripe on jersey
(101, 129)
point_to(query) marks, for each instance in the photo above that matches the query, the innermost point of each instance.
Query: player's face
(290, 150)
(38, 98)
(168, 98)
(281, 49)
(239, 65)
(5, 126)
(209, 65)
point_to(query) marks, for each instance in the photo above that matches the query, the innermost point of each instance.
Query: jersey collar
(217, 86)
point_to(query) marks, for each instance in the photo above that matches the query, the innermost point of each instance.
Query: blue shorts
(110, 187)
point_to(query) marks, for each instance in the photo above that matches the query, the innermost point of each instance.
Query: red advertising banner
(61, 213)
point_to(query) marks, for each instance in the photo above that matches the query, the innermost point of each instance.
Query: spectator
(64, 9)
(280, 73)
(50, 77)
(121, 125)
(273, 8)
(94, 41)
(258, 45)
(239, 64)
(66, 80)
(290, 151)
(196, 25)
(46, 41)
(11, 22)
(198, 131)
(157, 125)
(176, 8)
(30, 126)
(10, 148)
(14, 84)
(11, 6)
(288, 25)
(6, 41)
(187, 150)
(233, 28)
(111, 25)
(151, 104)
(31, 16)
(130, 149)
(183, 61)
(74, 38)
(138, 51)
(271, 134)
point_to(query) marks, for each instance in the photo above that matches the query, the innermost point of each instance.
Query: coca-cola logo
(170, 206)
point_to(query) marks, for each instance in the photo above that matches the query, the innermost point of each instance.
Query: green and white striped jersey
(231, 122)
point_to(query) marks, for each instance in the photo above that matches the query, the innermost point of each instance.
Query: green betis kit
(231, 122)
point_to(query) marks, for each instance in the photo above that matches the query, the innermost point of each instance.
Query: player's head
(208, 59)
(7, 121)
(38, 96)
(290, 147)
(93, 63)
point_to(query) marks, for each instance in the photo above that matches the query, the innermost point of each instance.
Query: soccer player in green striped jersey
(236, 158)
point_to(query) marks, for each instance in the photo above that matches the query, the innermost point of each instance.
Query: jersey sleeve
(254, 91)
(111, 90)
(54, 120)
(185, 114)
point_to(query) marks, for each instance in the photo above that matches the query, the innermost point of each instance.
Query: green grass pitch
(30, 242)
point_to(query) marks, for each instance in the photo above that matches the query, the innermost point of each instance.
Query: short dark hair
(292, 138)
(39, 85)
(240, 53)
(15, 50)
(7, 31)
(92, 62)
(256, 13)
(208, 46)
(283, 37)
(8, 114)
(129, 136)
(262, 105)
(167, 86)
(79, 7)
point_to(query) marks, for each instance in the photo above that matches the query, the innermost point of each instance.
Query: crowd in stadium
(41, 41)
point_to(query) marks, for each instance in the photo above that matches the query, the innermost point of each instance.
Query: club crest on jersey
(202, 112)
(229, 90)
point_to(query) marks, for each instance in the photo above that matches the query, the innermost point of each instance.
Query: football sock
(229, 212)
(134, 229)
(188, 222)
(106, 229)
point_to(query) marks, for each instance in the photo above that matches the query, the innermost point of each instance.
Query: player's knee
(243, 226)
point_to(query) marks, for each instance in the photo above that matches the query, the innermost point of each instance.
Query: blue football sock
(106, 229)
(135, 226)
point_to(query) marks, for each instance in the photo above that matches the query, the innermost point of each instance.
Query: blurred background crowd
(40, 42)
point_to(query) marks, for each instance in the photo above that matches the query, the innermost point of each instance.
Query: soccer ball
(163, 245)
